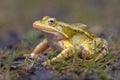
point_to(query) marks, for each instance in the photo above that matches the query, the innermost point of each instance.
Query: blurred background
(17, 16)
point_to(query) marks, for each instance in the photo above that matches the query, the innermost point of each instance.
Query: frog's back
(83, 30)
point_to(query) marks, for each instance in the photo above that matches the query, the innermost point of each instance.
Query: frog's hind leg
(101, 48)
(65, 54)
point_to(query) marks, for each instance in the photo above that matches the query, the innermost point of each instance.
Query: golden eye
(51, 21)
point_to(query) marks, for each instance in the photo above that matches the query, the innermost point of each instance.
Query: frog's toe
(30, 62)
(46, 63)
(33, 55)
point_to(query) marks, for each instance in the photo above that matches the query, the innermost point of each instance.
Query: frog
(68, 39)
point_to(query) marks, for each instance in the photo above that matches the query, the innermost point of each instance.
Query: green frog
(69, 39)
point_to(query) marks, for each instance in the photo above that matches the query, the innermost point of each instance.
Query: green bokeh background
(17, 16)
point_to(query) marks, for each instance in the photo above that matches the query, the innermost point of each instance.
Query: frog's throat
(53, 35)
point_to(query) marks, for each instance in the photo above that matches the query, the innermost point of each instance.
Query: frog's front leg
(66, 53)
(42, 46)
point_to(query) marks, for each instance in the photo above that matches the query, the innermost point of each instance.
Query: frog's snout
(35, 24)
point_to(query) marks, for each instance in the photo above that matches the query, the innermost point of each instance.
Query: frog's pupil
(51, 21)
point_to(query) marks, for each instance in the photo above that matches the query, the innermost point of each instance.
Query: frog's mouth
(49, 30)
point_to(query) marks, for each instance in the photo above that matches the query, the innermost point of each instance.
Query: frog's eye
(51, 21)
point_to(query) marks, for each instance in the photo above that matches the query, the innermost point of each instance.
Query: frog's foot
(103, 52)
(52, 61)
(30, 61)
(47, 63)
(33, 55)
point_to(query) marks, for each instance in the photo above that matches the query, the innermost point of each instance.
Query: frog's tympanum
(69, 39)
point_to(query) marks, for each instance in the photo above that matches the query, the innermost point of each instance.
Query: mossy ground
(75, 68)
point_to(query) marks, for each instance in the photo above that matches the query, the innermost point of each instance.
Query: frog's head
(49, 25)
(46, 23)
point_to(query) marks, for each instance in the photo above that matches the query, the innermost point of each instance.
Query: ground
(13, 66)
